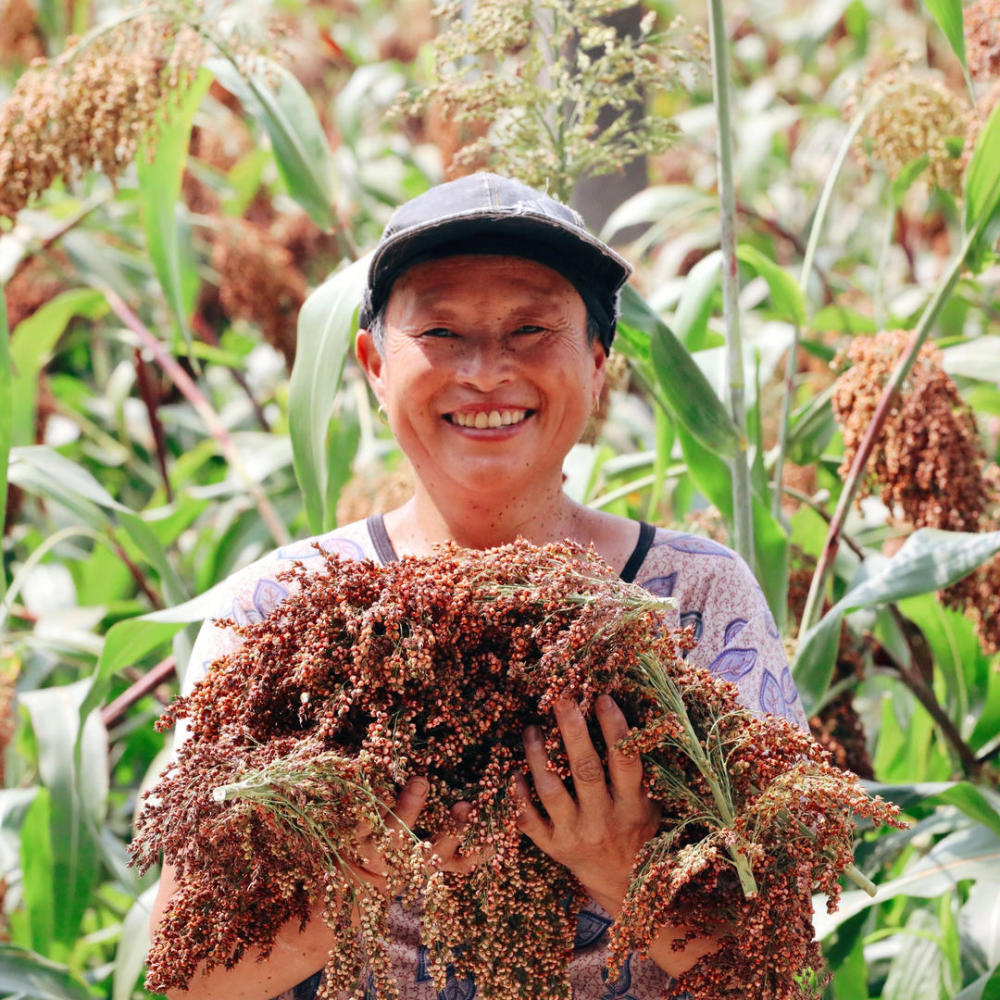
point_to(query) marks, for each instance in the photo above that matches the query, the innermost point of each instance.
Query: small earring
(380, 413)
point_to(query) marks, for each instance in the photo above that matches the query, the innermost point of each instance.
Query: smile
(483, 419)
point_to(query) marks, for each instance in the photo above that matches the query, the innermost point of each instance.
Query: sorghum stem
(193, 395)
(742, 509)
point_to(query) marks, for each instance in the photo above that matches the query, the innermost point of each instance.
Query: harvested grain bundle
(435, 666)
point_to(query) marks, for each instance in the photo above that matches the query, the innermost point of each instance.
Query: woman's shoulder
(251, 593)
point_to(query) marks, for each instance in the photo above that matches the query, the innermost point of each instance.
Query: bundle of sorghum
(435, 666)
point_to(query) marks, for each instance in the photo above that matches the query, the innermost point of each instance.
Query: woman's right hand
(443, 853)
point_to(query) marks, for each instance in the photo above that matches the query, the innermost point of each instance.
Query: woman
(486, 324)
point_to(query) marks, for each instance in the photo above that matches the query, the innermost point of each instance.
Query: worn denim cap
(488, 214)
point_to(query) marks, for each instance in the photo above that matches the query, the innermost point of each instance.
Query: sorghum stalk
(735, 377)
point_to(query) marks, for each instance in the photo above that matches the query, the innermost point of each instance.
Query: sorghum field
(807, 368)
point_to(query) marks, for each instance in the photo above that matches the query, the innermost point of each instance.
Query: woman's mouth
(482, 419)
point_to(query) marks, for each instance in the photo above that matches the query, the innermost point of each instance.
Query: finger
(624, 769)
(446, 851)
(408, 805)
(529, 820)
(589, 778)
(549, 787)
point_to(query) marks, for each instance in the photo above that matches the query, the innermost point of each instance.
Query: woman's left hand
(598, 834)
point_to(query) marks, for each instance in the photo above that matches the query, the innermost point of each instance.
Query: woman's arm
(598, 834)
(298, 953)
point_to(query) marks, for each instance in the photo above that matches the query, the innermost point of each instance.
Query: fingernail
(533, 735)
(418, 784)
(604, 702)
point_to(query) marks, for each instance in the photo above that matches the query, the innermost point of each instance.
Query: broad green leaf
(280, 103)
(78, 797)
(812, 429)
(788, 298)
(326, 326)
(159, 192)
(26, 974)
(696, 302)
(14, 805)
(986, 987)
(31, 346)
(692, 400)
(130, 955)
(770, 542)
(977, 358)
(154, 554)
(342, 446)
(6, 419)
(972, 853)
(979, 920)
(972, 801)
(982, 178)
(918, 970)
(129, 641)
(37, 873)
(54, 475)
(948, 14)
(929, 560)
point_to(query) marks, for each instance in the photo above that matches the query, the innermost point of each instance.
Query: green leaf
(24, 973)
(986, 987)
(977, 358)
(78, 797)
(692, 401)
(907, 177)
(31, 346)
(130, 955)
(972, 853)
(788, 298)
(929, 560)
(153, 552)
(129, 641)
(697, 300)
(979, 921)
(948, 14)
(961, 794)
(159, 192)
(917, 972)
(280, 103)
(6, 420)
(982, 178)
(36, 872)
(326, 325)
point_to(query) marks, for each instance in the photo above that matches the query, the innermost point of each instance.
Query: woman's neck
(479, 523)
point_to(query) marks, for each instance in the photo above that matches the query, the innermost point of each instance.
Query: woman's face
(487, 377)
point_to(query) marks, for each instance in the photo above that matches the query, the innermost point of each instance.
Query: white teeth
(489, 418)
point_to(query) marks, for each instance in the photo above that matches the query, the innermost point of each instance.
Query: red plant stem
(137, 575)
(149, 682)
(853, 480)
(151, 399)
(203, 408)
(209, 335)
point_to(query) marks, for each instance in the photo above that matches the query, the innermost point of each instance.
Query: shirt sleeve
(737, 638)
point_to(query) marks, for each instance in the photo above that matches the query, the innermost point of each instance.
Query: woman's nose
(485, 363)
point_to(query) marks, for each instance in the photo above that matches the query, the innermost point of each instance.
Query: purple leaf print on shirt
(732, 664)
(335, 546)
(619, 987)
(693, 618)
(245, 616)
(590, 928)
(695, 546)
(661, 586)
(267, 595)
(733, 629)
(770, 695)
(788, 690)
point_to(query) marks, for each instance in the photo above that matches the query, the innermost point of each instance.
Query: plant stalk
(203, 408)
(742, 509)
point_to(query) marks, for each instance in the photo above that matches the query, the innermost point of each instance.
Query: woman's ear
(370, 360)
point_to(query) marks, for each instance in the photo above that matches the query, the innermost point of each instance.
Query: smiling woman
(486, 324)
